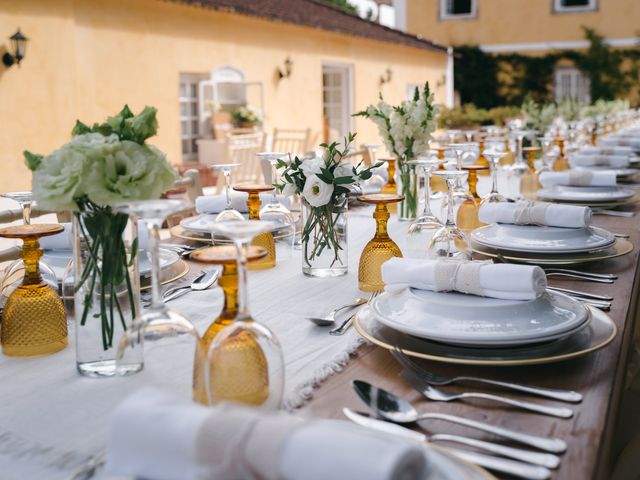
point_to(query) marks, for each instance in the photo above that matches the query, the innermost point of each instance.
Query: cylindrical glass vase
(324, 239)
(407, 182)
(106, 292)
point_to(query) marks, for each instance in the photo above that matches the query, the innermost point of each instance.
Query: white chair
(243, 150)
(291, 141)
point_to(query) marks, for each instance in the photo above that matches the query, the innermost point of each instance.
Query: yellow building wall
(522, 21)
(86, 58)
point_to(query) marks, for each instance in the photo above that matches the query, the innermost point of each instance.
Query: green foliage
(343, 5)
(468, 116)
(126, 125)
(507, 79)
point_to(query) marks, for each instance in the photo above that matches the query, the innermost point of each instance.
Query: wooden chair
(291, 141)
(243, 149)
(363, 154)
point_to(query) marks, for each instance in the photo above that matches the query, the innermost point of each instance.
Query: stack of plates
(197, 228)
(590, 196)
(458, 328)
(548, 245)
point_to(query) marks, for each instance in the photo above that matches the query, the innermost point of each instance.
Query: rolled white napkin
(64, 239)
(634, 143)
(536, 213)
(606, 151)
(156, 436)
(217, 203)
(504, 281)
(613, 161)
(579, 177)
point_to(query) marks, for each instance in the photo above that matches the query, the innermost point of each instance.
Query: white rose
(316, 192)
(311, 166)
(60, 179)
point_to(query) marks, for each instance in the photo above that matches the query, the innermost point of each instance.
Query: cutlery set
(203, 281)
(389, 412)
(330, 318)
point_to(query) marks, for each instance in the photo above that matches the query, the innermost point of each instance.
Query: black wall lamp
(18, 46)
(386, 78)
(288, 66)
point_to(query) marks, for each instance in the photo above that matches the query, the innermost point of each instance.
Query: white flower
(58, 181)
(93, 140)
(343, 170)
(289, 189)
(311, 166)
(316, 192)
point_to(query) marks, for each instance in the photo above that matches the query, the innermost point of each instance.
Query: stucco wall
(86, 58)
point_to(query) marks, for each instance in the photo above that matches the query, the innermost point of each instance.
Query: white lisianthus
(93, 140)
(311, 166)
(316, 192)
(129, 171)
(59, 179)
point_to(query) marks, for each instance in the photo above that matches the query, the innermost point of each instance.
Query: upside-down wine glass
(427, 224)
(244, 362)
(157, 322)
(229, 213)
(274, 211)
(494, 157)
(450, 241)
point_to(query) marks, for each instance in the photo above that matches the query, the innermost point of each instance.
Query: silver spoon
(398, 410)
(330, 318)
(202, 282)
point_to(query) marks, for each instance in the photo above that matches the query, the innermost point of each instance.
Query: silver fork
(342, 328)
(432, 393)
(434, 379)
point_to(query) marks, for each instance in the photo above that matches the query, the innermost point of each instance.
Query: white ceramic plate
(566, 193)
(59, 259)
(538, 239)
(469, 320)
(620, 172)
(200, 223)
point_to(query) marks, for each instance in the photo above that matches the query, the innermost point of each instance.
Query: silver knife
(497, 464)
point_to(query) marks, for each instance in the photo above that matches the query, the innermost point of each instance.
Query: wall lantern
(386, 78)
(18, 47)
(288, 65)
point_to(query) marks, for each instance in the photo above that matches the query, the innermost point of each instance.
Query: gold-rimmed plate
(598, 334)
(619, 248)
(179, 231)
(612, 204)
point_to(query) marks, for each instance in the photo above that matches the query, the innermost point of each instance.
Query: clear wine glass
(229, 213)
(157, 322)
(494, 157)
(274, 211)
(422, 230)
(450, 241)
(244, 362)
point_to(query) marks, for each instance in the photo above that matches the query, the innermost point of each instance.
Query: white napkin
(634, 143)
(217, 203)
(536, 213)
(606, 151)
(156, 436)
(579, 177)
(613, 161)
(505, 281)
(64, 239)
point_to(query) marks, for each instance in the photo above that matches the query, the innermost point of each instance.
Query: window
(571, 83)
(452, 9)
(336, 101)
(189, 119)
(574, 5)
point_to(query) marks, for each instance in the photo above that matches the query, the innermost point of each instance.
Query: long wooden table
(600, 377)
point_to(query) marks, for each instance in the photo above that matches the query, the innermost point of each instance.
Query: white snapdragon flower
(316, 192)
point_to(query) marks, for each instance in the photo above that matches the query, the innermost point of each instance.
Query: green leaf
(117, 121)
(80, 129)
(142, 126)
(343, 180)
(32, 160)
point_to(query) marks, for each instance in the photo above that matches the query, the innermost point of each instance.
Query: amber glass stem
(229, 284)
(381, 214)
(391, 169)
(473, 181)
(254, 206)
(31, 254)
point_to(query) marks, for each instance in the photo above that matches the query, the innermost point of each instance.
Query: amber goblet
(263, 239)
(381, 247)
(33, 320)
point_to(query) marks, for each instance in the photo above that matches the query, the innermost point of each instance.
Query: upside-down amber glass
(390, 188)
(33, 320)
(529, 182)
(562, 162)
(264, 239)
(509, 158)
(224, 255)
(380, 248)
(482, 161)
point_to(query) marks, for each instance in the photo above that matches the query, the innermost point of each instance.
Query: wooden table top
(599, 377)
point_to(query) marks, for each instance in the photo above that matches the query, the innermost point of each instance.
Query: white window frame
(444, 15)
(577, 82)
(348, 100)
(559, 8)
(190, 79)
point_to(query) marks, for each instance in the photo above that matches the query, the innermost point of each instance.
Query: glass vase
(106, 291)
(407, 182)
(324, 239)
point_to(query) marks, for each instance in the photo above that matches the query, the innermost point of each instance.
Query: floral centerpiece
(101, 166)
(539, 116)
(246, 117)
(406, 130)
(324, 184)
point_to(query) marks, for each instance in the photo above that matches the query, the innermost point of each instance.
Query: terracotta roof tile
(316, 14)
